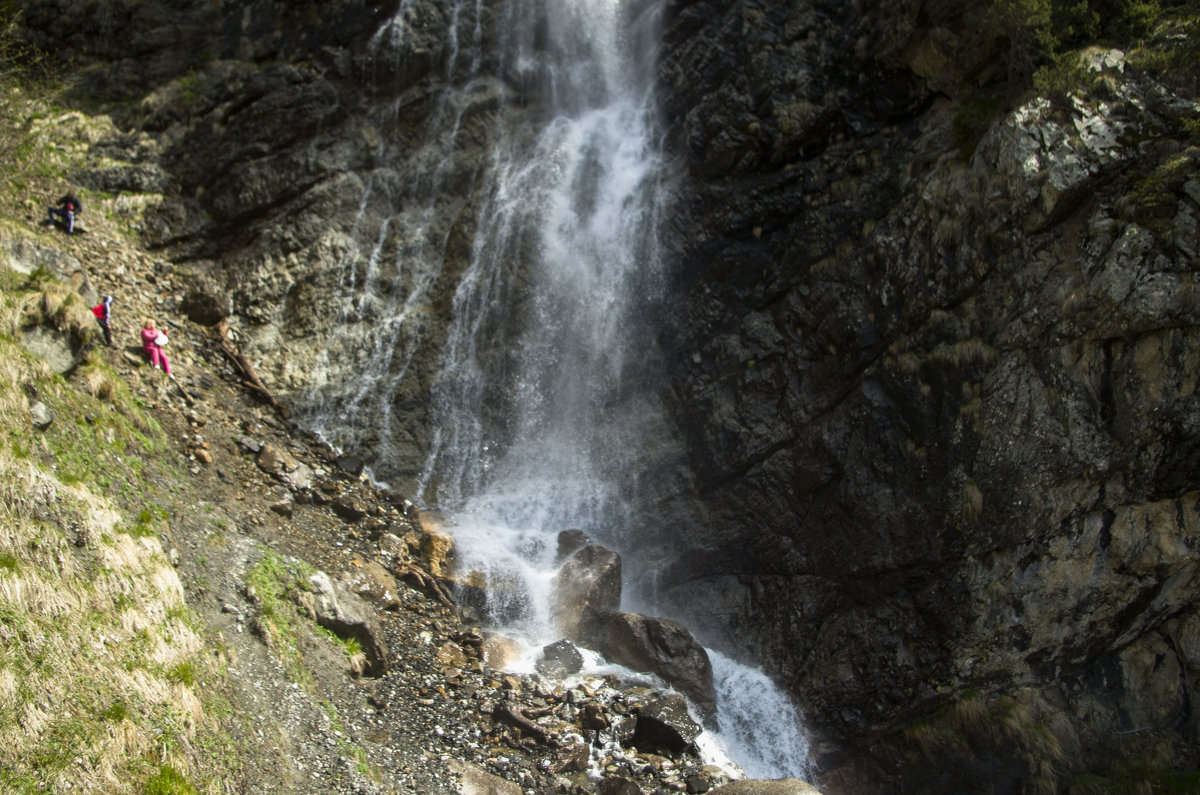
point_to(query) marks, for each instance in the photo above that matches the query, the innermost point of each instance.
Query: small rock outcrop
(559, 660)
(348, 616)
(665, 724)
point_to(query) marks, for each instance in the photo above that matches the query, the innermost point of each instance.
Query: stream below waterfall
(544, 409)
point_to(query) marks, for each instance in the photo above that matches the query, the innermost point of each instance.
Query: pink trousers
(158, 358)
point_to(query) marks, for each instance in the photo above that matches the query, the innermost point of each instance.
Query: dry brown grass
(93, 624)
(89, 641)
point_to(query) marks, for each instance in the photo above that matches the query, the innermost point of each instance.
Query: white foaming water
(758, 728)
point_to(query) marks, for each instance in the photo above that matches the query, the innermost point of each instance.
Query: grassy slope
(101, 659)
(107, 680)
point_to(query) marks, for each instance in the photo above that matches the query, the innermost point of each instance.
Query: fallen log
(243, 368)
(513, 716)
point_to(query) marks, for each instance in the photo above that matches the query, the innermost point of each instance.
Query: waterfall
(543, 415)
(759, 728)
(531, 435)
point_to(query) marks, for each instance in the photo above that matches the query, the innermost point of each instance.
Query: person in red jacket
(103, 313)
(152, 343)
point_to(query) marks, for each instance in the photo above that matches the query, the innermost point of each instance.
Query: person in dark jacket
(103, 313)
(68, 207)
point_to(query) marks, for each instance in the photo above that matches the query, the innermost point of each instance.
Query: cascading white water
(538, 426)
(570, 218)
(760, 729)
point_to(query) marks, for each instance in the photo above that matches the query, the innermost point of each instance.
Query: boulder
(451, 655)
(392, 544)
(53, 345)
(559, 660)
(617, 785)
(665, 724)
(41, 416)
(662, 647)
(275, 460)
(299, 479)
(498, 651)
(592, 717)
(374, 583)
(349, 509)
(574, 759)
(349, 617)
(586, 588)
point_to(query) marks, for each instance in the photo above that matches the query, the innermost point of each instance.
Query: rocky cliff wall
(940, 409)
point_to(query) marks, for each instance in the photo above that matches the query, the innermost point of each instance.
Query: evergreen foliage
(1043, 34)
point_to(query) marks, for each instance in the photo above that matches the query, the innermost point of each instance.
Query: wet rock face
(587, 588)
(923, 396)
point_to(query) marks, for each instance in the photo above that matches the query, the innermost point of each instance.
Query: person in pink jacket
(152, 343)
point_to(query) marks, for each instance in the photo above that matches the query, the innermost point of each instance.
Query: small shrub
(116, 712)
(184, 673)
(169, 781)
(1063, 76)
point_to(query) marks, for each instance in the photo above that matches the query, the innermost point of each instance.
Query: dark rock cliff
(937, 407)
(940, 410)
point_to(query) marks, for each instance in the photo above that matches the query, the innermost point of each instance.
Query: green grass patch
(271, 583)
(169, 781)
(116, 712)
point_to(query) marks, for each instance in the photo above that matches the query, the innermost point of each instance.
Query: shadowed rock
(559, 660)
(663, 647)
(665, 724)
(374, 583)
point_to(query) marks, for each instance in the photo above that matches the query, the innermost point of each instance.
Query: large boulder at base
(782, 786)
(348, 616)
(586, 588)
(663, 647)
(665, 724)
